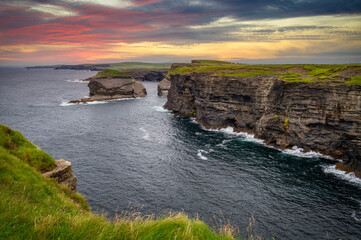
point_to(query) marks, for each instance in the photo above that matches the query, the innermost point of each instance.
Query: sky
(46, 32)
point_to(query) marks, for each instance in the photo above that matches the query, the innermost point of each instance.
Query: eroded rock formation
(113, 88)
(163, 87)
(148, 75)
(314, 116)
(63, 174)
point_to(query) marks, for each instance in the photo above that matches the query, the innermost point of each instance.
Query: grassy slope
(34, 207)
(288, 72)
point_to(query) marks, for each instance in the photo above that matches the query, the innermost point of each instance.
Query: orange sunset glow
(71, 32)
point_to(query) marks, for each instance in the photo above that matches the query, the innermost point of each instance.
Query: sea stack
(110, 85)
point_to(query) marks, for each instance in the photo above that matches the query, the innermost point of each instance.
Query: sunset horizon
(92, 31)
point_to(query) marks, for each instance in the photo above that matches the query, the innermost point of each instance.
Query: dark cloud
(168, 21)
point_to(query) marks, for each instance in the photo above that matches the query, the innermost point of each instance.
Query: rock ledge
(63, 174)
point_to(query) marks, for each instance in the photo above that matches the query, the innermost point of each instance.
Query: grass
(108, 73)
(294, 77)
(290, 73)
(15, 143)
(248, 74)
(35, 207)
(354, 81)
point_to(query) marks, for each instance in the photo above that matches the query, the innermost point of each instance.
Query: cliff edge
(314, 107)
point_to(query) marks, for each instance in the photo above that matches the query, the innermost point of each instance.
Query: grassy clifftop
(108, 73)
(321, 73)
(35, 207)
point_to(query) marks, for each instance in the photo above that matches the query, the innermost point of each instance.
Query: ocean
(133, 155)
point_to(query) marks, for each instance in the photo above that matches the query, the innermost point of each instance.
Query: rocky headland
(314, 107)
(110, 85)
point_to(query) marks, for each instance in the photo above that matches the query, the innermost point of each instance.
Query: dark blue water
(133, 153)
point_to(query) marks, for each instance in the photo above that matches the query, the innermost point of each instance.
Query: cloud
(178, 26)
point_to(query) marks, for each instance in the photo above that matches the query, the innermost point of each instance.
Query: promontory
(314, 107)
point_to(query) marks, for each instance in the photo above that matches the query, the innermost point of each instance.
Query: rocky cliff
(163, 87)
(63, 174)
(284, 105)
(148, 75)
(110, 84)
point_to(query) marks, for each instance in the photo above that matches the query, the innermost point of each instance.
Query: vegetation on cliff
(108, 73)
(320, 73)
(35, 207)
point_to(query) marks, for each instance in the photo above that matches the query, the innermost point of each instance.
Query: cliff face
(63, 174)
(148, 75)
(314, 116)
(113, 88)
(163, 87)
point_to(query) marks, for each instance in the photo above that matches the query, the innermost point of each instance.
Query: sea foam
(76, 81)
(350, 177)
(200, 155)
(295, 151)
(160, 109)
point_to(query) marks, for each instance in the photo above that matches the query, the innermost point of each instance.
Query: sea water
(133, 153)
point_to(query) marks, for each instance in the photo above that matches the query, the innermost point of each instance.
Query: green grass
(354, 81)
(290, 73)
(35, 207)
(15, 143)
(294, 77)
(108, 73)
(248, 74)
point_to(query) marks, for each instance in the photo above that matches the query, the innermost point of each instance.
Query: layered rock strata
(148, 75)
(113, 88)
(63, 174)
(314, 116)
(163, 87)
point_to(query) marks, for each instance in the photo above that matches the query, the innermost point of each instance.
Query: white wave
(354, 217)
(223, 143)
(65, 104)
(299, 152)
(200, 155)
(350, 177)
(76, 81)
(146, 133)
(160, 109)
(295, 151)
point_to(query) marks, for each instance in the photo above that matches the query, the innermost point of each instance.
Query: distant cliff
(314, 107)
(148, 75)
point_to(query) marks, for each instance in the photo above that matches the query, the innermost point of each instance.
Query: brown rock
(63, 174)
(113, 88)
(321, 117)
(163, 87)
